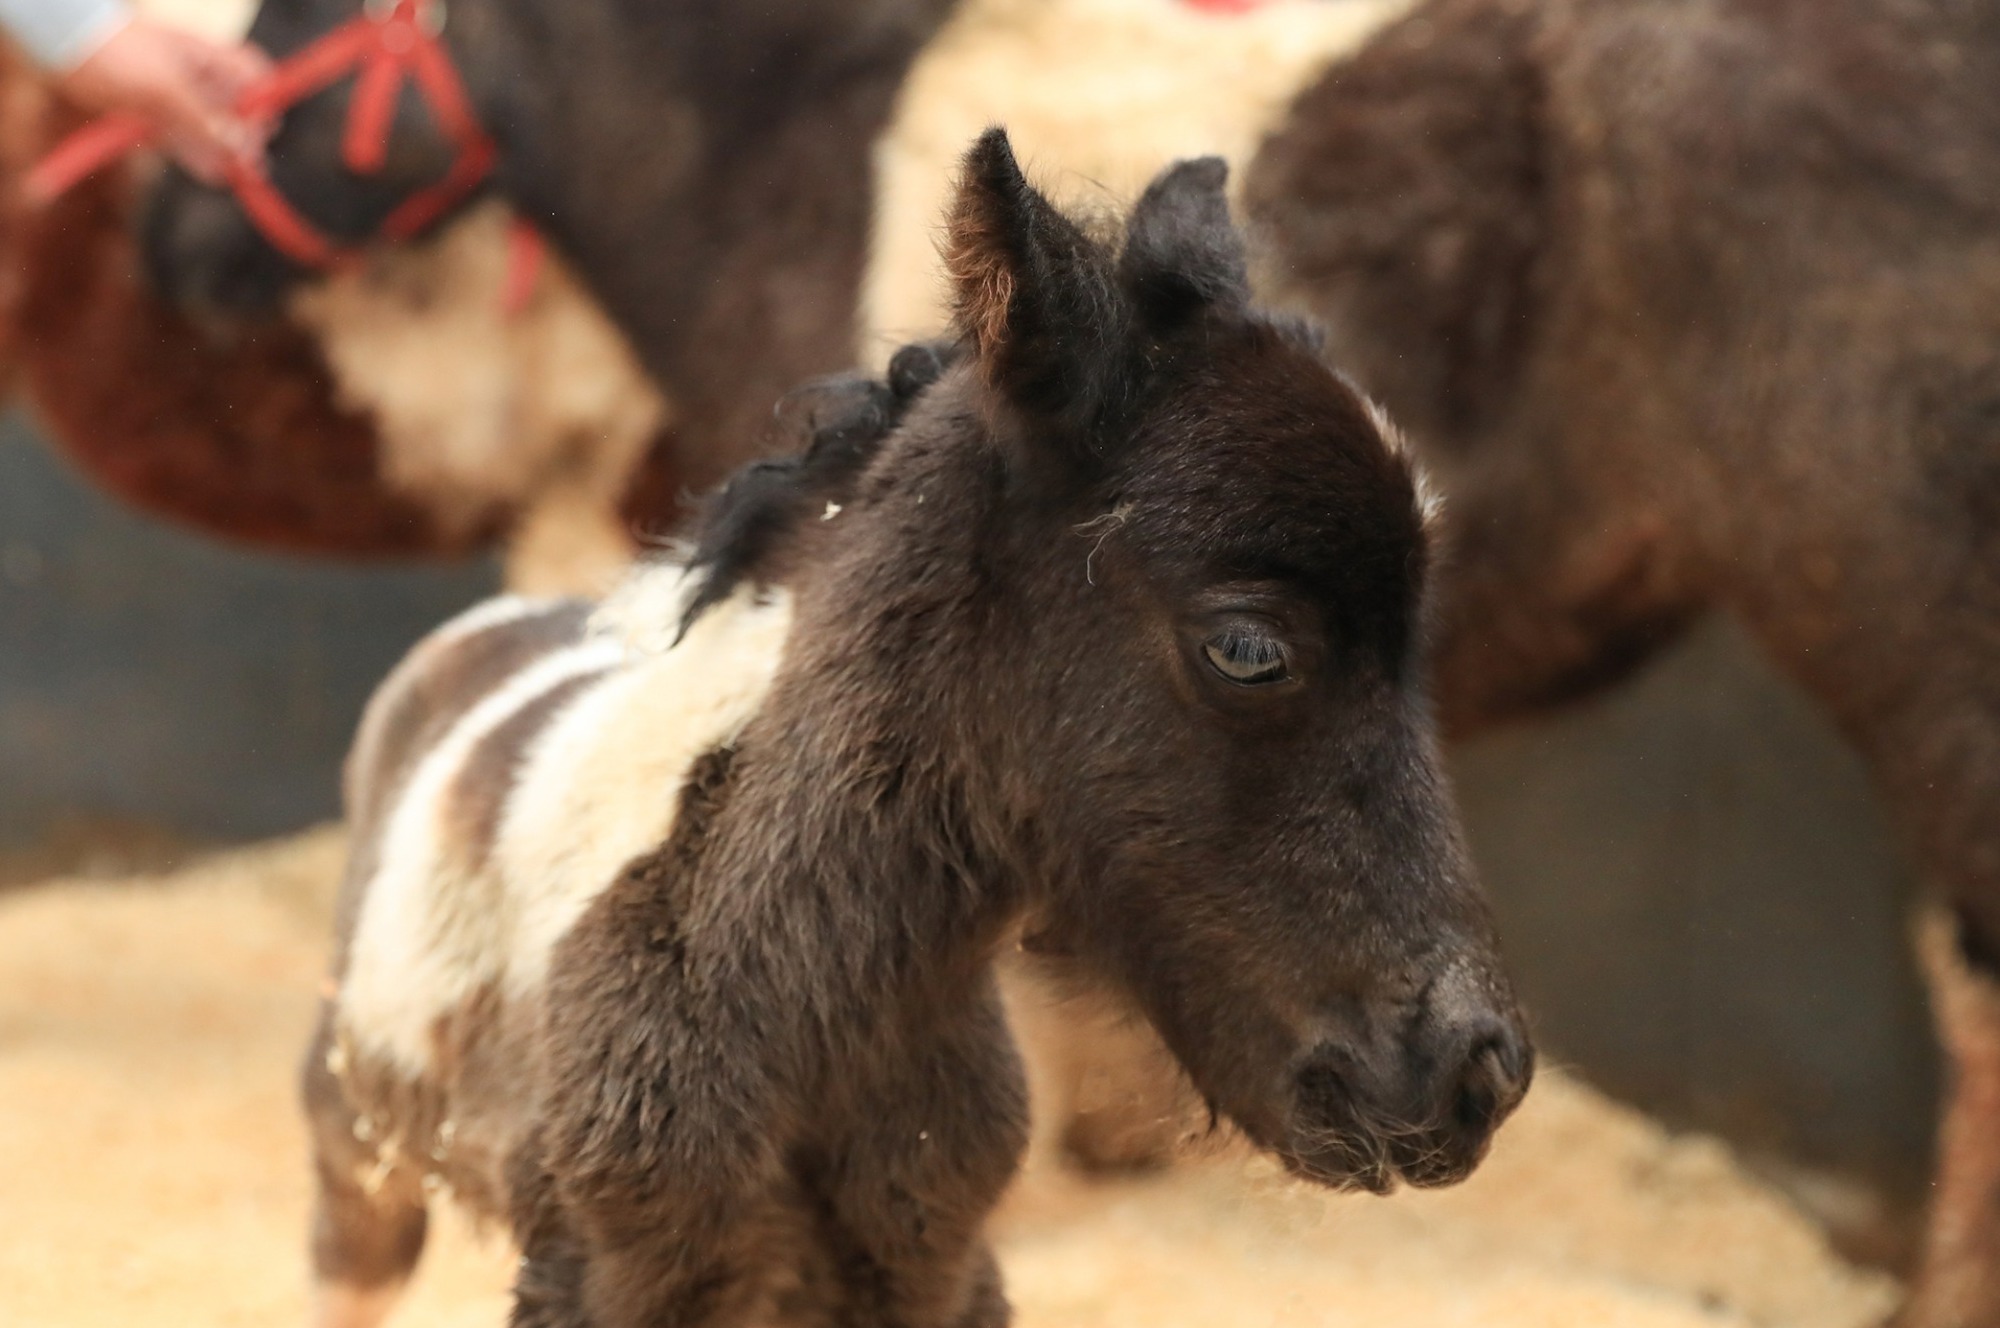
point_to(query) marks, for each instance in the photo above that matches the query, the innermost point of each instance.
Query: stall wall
(151, 674)
(1708, 912)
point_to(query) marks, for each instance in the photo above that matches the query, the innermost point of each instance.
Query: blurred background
(159, 687)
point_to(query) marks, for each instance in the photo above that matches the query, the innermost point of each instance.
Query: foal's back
(503, 774)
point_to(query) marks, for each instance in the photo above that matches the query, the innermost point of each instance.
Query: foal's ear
(1033, 296)
(1182, 253)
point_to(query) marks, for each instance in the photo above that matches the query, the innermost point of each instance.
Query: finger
(238, 134)
(199, 157)
(251, 60)
(203, 137)
(248, 138)
(239, 140)
(227, 71)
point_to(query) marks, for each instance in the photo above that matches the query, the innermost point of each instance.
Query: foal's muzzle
(1424, 1116)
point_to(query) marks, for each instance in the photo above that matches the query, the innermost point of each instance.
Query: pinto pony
(670, 928)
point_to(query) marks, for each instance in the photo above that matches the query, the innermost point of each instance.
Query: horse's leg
(900, 1197)
(368, 1218)
(879, 1223)
(1909, 665)
(1958, 1285)
(659, 1250)
(1940, 768)
(653, 1250)
(652, 1191)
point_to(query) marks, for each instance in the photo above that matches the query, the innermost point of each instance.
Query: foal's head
(1142, 583)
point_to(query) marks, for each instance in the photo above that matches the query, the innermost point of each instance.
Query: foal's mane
(844, 419)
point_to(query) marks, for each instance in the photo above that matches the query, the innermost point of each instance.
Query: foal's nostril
(1323, 1093)
(1495, 1078)
(1517, 1058)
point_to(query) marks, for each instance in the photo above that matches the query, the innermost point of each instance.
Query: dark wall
(1704, 904)
(153, 674)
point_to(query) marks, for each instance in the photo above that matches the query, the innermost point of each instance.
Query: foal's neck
(848, 893)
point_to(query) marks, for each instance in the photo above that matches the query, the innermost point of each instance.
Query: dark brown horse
(669, 933)
(702, 164)
(1694, 307)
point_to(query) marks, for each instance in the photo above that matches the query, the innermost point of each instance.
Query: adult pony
(669, 933)
(1698, 306)
(702, 164)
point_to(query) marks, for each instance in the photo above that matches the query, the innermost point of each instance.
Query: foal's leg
(902, 1194)
(633, 1259)
(368, 1219)
(659, 1251)
(1958, 1280)
(877, 1222)
(548, 1288)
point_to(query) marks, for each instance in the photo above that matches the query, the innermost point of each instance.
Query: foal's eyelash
(1246, 657)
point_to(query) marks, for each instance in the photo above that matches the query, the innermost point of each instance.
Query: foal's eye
(1246, 657)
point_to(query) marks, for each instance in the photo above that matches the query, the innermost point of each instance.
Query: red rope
(84, 153)
(526, 252)
(380, 51)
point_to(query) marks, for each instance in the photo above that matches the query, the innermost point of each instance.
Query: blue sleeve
(62, 33)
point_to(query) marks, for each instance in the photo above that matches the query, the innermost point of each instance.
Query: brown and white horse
(670, 925)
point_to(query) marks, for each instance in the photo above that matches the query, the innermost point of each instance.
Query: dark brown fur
(771, 1081)
(1696, 307)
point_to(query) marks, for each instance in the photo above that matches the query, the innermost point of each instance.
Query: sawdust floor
(151, 1169)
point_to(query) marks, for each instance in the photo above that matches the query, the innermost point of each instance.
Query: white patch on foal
(598, 786)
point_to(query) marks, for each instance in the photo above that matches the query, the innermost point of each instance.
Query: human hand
(185, 86)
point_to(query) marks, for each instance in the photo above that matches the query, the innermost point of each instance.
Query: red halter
(390, 40)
